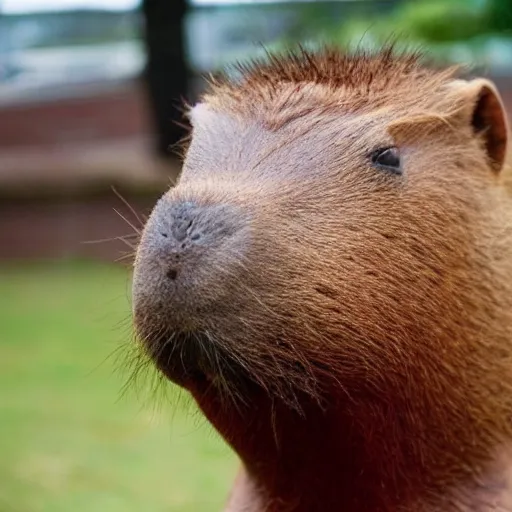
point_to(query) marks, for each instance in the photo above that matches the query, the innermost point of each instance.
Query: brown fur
(359, 353)
(282, 90)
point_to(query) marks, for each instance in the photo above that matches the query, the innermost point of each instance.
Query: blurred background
(90, 94)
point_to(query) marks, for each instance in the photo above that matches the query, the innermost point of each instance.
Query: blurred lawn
(70, 441)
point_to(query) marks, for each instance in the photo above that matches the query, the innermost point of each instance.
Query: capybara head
(338, 247)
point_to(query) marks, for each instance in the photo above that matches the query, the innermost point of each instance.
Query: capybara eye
(387, 158)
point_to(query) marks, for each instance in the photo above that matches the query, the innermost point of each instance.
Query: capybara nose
(185, 234)
(183, 220)
(183, 228)
(189, 253)
(191, 256)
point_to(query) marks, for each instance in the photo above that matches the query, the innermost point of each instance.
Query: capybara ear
(479, 103)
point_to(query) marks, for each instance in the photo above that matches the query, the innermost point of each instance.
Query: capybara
(331, 279)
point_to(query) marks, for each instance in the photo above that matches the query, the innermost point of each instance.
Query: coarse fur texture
(346, 327)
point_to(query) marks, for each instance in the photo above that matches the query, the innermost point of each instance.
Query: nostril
(165, 235)
(195, 237)
(180, 229)
(172, 274)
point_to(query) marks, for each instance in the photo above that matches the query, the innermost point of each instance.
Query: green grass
(70, 440)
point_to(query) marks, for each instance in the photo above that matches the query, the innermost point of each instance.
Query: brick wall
(113, 112)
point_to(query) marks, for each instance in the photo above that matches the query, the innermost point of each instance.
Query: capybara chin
(331, 279)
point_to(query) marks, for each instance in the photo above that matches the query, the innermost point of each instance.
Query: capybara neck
(331, 279)
(367, 453)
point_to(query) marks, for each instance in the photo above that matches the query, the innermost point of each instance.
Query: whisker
(137, 361)
(126, 256)
(111, 239)
(137, 230)
(128, 205)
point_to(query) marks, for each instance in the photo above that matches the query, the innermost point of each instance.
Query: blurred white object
(26, 6)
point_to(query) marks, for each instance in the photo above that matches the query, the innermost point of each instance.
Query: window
(52, 48)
